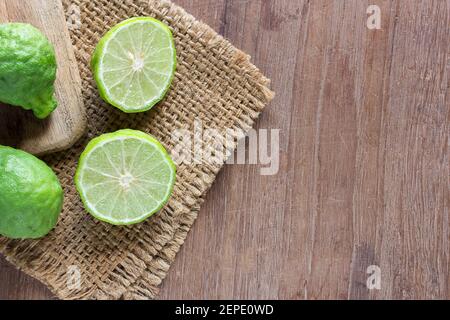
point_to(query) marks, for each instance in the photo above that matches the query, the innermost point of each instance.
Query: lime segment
(134, 64)
(124, 177)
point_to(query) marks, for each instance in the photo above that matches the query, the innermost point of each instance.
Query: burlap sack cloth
(214, 83)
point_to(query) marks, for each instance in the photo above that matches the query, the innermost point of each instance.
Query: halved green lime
(124, 177)
(134, 64)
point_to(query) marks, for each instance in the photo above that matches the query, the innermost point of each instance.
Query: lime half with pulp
(124, 177)
(134, 64)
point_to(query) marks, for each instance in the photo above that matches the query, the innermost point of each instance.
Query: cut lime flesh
(124, 177)
(134, 64)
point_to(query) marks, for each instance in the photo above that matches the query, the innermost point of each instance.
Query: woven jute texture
(215, 85)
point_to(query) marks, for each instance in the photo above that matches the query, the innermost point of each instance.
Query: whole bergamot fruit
(27, 69)
(31, 196)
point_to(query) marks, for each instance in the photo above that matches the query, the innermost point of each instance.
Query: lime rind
(31, 197)
(101, 50)
(120, 136)
(28, 69)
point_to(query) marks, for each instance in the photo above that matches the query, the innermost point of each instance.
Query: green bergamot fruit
(27, 69)
(31, 197)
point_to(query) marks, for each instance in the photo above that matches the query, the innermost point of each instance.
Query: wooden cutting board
(18, 127)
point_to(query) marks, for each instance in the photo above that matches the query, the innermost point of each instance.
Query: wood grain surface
(364, 159)
(18, 127)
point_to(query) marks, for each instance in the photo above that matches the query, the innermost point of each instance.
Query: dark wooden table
(364, 159)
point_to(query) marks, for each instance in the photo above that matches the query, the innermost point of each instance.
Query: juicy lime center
(137, 61)
(126, 180)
